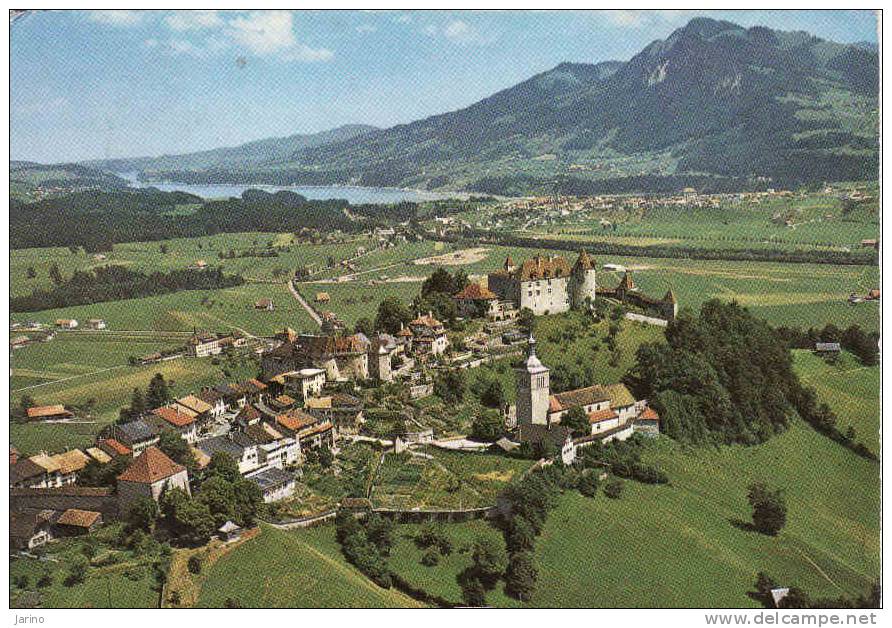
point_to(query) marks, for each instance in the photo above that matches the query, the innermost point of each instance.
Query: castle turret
(583, 282)
(533, 389)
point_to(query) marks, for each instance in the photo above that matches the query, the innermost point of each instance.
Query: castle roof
(584, 262)
(544, 268)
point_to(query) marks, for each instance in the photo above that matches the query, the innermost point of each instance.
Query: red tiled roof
(427, 321)
(476, 292)
(173, 417)
(579, 397)
(544, 268)
(296, 420)
(38, 412)
(118, 448)
(602, 415)
(649, 414)
(79, 518)
(152, 466)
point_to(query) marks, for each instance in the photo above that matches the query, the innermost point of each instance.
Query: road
(304, 304)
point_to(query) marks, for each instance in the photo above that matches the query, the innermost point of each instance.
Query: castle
(546, 285)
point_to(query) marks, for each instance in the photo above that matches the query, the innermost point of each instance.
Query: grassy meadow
(299, 569)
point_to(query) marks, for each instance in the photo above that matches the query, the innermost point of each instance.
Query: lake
(355, 195)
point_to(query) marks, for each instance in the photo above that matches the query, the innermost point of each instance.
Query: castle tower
(626, 285)
(583, 283)
(533, 389)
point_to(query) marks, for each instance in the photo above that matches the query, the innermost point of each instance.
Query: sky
(103, 84)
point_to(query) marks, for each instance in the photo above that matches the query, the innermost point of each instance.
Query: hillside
(30, 181)
(714, 105)
(258, 152)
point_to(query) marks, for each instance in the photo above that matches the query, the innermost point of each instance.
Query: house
(872, 244)
(96, 324)
(872, 295)
(202, 345)
(51, 469)
(648, 421)
(322, 297)
(827, 348)
(309, 431)
(114, 448)
(17, 342)
(778, 594)
(167, 418)
(282, 403)
(428, 335)
(70, 464)
(195, 407)
(136, 435)
(75, 521)
(477, 301)
(214, 399)
(48, 413)
(248, 415)
(148, 475)
(229, 532)
(345, 411)
(264, 304)
(98, 455)
(382, 349)
(237, 446)
(342, 357)
(66, 323)
(301, 384)
(30, 528)
(275, 484)
(26, 473)
(274, 448)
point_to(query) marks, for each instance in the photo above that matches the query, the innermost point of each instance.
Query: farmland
(302, 569)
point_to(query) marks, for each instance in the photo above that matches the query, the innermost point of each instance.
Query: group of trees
(157, 394)
(114, 283)
(862, 344)
(798, 598)
(223, 495)
(769, 508)
(366, 544)
(623, 459)
(150, 215)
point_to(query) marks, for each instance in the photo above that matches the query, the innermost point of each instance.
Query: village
(311, 398)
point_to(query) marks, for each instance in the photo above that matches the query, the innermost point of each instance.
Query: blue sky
(96, 84)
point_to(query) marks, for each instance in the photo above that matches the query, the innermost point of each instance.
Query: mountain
(256, 153)
(714, 105)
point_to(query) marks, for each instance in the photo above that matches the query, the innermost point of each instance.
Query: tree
(588, 483)
(450, 386)
(219, 496)
(614, 488)
(56, 274)
(163, 249)
(521, 576)
(488, 561)
(176, 448)
(248, 501)
(142, 514)
(577, 420)
(77, 571)
(519, 535)
(194, 521)
(380, 531)
(392, 314)
(430, 557)
(493, 395)
(526, 320)
(224, 466)
(194, 564)
(31, 272)
(365, 326)
(472, 590)
(769, 508)
(158, 393)
(487, 426)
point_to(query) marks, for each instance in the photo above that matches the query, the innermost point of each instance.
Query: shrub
(588, 483)
(194, 564)
(430, 557)
(769, 508)
(614, 489)
(520, 579)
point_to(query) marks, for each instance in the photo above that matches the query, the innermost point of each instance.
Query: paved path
(65, 379)
(303, 303)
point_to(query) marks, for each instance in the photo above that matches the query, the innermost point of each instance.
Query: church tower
(582, 281)
(533, 389)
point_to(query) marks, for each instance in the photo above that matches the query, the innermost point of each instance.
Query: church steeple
(533, 389)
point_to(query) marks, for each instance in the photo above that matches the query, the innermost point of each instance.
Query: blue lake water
(355, 195)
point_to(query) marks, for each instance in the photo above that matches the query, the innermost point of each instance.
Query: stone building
(341, 357)
(546, 285)
(148, 476)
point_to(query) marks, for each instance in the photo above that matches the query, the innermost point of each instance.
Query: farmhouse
(322, 297)
(827, 348)
(30, 528)
(48, 413)
(136, 435)
(66, 323)
(264, 304)
(96, 324)
(148, 475)
(237, 446)
(201, 345)
(75, 521)
(114, 448)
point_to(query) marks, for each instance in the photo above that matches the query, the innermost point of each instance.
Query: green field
(76, 368)
(445, 480)
(230, 309)
(300, 569)
(105, 585)
(851, 389)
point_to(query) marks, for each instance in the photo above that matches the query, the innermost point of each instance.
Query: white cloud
(193, 20)
(272, 33)
(116, 18)
(460, 32)
(637, 18)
